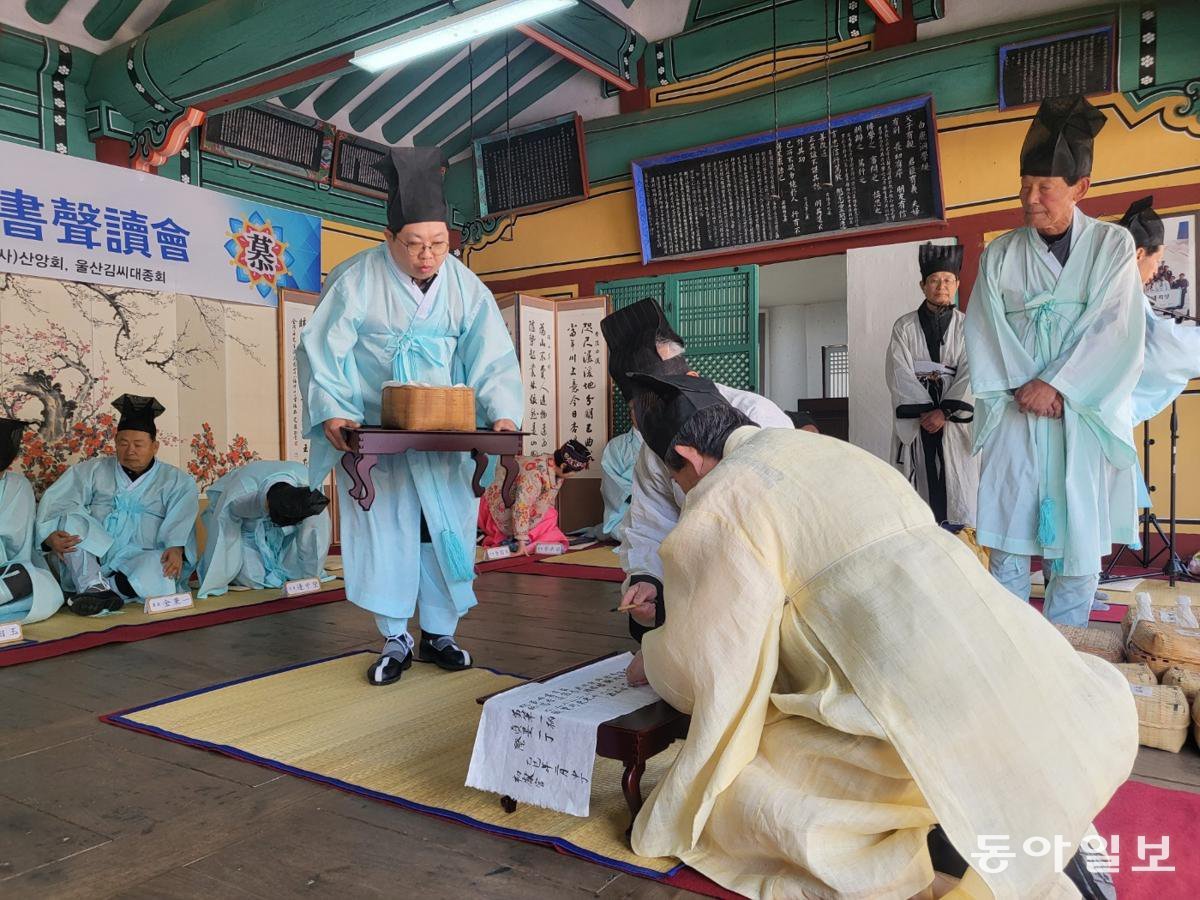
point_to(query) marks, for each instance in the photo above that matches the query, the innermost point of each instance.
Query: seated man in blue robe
(1055, 337)
(121, 527)
(406, 311)
(28, 592)
(616, 483)
(264, 527)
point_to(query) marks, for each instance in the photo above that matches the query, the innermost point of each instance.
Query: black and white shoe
(441, 649)
(395, 658)
(94, 602)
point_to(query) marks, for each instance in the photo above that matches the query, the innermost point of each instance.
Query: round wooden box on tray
(411, 407)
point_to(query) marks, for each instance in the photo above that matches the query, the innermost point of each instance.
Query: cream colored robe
(854, 676)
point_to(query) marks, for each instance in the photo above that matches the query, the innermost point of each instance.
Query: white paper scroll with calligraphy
(537, 743)
(508, 312)
(536, 349)
(583, 376)
(295, 309)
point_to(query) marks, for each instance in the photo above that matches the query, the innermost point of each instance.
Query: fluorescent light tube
(453, 31)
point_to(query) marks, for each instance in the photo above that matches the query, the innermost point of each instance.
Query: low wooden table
(630, 739)
(370, 442)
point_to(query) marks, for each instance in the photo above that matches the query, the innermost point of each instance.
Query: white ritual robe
(907, 347)
(1064, 489)
(656, 500)
(854, 676)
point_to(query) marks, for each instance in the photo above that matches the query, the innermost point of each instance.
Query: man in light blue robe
(406, 312)
(1055, 334)
(616, 483)
(28, 592)
(122, 527)
(264, 527)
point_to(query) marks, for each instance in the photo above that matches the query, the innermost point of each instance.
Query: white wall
(882, 283)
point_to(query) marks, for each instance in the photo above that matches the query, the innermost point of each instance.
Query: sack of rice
(1096, 641)
(1171, 636)
(1163, 716)
(1187, 680)
(1137, 673)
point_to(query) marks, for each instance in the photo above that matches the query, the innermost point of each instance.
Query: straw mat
(409, 744)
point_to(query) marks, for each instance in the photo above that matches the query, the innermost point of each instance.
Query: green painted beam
(457, 115)
(177, 8)
(292, 99)
(246, 45)
(341, 92)
(107, 16)
(396, 89)
(494, 119)
(44, 11)
(457, 77)
(594, 34)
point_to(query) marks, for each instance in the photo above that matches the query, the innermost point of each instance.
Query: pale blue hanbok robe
(125, 525)
(17, 518)
(374, 325)
(1172, 360)
(1060, 488)
(616, 481)
(244, 547)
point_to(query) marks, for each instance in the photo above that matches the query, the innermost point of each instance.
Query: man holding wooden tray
(407, 312)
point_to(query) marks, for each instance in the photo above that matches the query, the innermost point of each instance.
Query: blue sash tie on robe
(121, 522)
(461, 567)
(269, 540)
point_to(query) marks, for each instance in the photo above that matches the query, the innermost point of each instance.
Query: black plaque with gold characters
(273, 138)
(1061, 65)
(536, 166)
(872, 169)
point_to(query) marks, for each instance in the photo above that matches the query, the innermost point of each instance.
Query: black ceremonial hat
(1059, 141)
(11, 432)
(289, 504)
(683, 396)
(632, 335)
(138, 413)
(414, 183)
(939, 258)
(1144, 224)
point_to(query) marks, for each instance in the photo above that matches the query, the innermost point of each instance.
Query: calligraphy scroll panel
(583, 376)
(295, 309)
(536, 335)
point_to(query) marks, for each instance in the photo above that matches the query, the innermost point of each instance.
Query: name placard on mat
(549, 549)
(11, 633)
(301, 586)
(168, 603)
(498, 553)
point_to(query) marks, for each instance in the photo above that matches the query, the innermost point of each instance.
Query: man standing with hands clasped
(407, 312)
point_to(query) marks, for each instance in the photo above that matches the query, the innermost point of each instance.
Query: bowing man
(926, 372)
(28, 592)
(124, 526)
(264, 527)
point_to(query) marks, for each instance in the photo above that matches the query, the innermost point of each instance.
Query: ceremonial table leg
(510, 478)
(631, 787)
(359, 467)
(481, 460)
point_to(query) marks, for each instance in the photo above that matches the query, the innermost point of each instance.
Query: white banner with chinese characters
(78, 220)
(583, 376)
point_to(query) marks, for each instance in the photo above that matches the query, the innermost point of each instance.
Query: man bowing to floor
(405, 311)
(1055, 335)
(122, 526)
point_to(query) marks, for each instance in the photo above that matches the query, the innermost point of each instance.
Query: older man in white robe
(849, 671)
(930, 383)
(1055, 334)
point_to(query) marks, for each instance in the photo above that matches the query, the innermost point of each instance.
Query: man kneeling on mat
(849, 671)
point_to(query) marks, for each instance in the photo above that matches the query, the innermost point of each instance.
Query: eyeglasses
(417, 248)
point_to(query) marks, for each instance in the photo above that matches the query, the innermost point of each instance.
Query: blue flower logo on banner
(260, 254)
